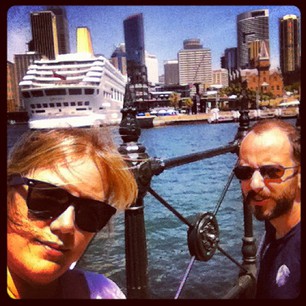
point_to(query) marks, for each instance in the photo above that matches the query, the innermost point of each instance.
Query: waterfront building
(171, 69)
(12, 97)
(118, 58)
(251, 26)
(84, 43)
(195, 65)
(151, 62)
(135, 56)
(182, 90)
(62, 28)
(262, 64)
(44, 33)
(290, 48)
(220, 76)
(22, 62)
(262, 79)
(270, 82)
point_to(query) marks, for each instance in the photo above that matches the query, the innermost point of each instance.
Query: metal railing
(203, 234)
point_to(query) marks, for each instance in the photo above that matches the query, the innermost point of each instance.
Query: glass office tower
(135, 55)
(251, 26)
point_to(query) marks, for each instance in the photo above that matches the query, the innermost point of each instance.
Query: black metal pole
(185, 159)
(136, 252)
(135, 234)
(248, 248)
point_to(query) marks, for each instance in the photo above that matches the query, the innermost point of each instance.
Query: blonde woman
(64, 185)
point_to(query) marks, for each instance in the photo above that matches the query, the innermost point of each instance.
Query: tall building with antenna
(195, 65)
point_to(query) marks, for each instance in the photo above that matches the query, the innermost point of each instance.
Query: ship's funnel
(84, 44)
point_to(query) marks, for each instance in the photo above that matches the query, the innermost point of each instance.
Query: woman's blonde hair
(45, 149)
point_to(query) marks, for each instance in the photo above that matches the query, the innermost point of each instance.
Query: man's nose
(257, 181)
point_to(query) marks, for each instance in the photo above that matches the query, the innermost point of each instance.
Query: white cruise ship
(74, 90)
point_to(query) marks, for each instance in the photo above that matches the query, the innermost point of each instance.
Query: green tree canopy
(174, 99)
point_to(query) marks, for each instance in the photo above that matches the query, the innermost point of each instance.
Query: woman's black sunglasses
(47, 201)
(267, 171)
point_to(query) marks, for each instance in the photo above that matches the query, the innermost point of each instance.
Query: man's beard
(283, 205)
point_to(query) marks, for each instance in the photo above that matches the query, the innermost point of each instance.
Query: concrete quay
(180, 119)
(224, 116)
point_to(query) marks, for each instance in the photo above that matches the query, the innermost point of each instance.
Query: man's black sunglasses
(267, 171)
(47, 201)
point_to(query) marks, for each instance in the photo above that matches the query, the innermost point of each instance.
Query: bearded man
(269, 171)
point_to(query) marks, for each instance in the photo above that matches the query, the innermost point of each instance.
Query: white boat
(74, 90)
(288, 109)
(224, 117)
(266, 113)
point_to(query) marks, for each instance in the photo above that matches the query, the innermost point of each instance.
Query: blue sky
(166, 27)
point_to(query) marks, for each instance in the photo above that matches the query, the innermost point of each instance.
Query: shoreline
(200, 118)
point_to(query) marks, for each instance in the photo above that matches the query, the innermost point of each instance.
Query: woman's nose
(65, 221)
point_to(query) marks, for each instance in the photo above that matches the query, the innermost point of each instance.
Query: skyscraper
(134, 43)
(22, 62)
(230, 59)
(251, 26)
(12, 96)
(195, 64)
(290, 46)
(44, 33)
(152, 68)
(118, 58)
(171, 72)
(62, 28)
(135, 56)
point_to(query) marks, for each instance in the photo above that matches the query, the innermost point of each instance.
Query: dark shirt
(279, 274)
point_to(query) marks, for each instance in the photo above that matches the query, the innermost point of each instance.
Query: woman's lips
(52, 248)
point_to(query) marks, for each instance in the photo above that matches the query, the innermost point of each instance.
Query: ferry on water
(74, 90)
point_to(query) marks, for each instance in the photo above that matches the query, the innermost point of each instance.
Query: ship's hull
(72, 111)
(78, 93)
(92, 120)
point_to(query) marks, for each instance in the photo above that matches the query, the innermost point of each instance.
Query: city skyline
(165, 28)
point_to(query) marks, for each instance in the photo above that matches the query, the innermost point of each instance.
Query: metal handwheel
(203, 238)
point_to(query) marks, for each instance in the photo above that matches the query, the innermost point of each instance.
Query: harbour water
(191, 189)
